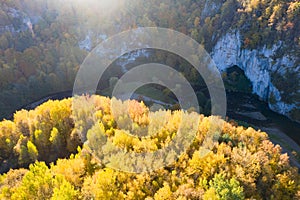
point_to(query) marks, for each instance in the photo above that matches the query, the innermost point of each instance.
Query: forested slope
(43, 43)
(241, 163)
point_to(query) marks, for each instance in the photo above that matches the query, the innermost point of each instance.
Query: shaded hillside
(43, 43)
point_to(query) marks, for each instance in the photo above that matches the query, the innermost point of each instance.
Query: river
(243, 107)
(248, 108)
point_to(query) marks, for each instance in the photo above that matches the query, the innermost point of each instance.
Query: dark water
(240, 102)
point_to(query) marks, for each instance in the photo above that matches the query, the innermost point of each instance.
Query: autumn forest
(96, 146)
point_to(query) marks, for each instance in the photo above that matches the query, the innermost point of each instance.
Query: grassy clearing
(148, 91)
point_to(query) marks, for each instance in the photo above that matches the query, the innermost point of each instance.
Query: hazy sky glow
(102, 5)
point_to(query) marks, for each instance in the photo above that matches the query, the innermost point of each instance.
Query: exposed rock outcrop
(260, 66)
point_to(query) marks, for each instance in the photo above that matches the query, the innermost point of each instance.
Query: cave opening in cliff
(235, 80)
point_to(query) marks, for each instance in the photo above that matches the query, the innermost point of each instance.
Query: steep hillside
(43, 43)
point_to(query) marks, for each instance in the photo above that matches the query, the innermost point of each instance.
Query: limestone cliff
(261, 66)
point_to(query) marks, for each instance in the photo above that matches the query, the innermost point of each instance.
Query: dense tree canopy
(240, 164)
(42, 151)
(43, 57)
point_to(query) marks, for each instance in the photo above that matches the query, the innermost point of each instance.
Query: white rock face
(14, 14)
(86, 44)
(257, 64)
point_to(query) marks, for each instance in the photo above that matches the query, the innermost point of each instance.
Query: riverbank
(242, 107)
(288, 145)
(281, 130)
